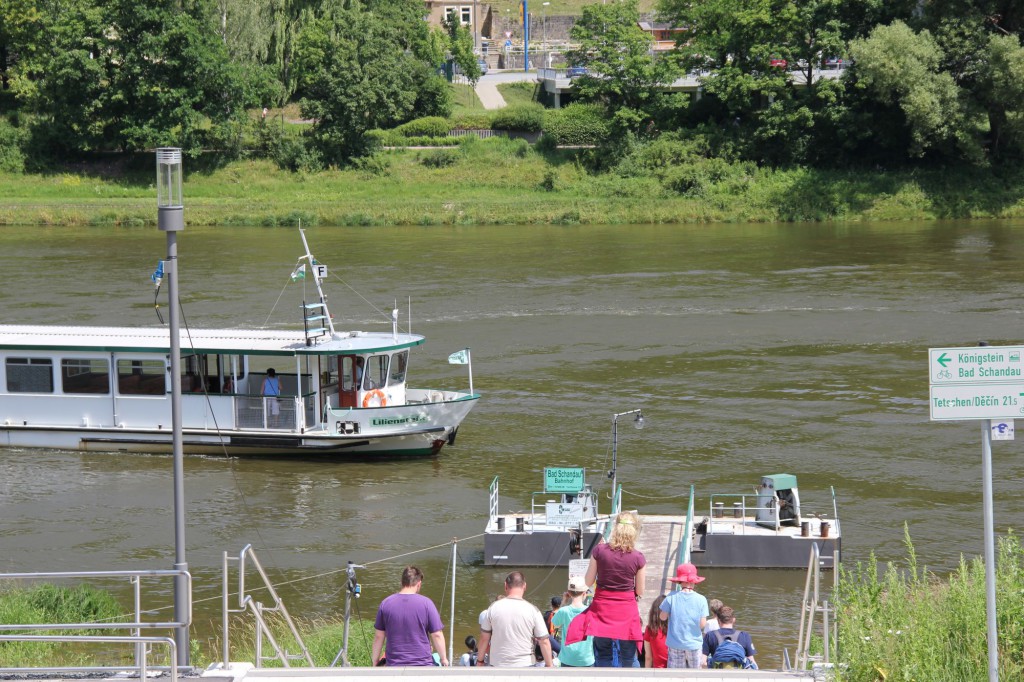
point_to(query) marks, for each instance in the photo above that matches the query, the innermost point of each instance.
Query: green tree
(366, 67)
(900, 68)
(460, 47)
(130, 75)
(622, 72)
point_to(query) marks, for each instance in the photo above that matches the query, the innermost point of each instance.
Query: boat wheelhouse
(312, 391)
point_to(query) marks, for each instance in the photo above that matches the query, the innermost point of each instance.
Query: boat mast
(316, 279)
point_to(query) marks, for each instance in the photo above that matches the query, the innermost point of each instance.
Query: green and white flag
(299, 272)
(459, 357)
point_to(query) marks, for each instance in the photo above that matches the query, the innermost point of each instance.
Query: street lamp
(170, 219)
(638, 422)
(544, 29)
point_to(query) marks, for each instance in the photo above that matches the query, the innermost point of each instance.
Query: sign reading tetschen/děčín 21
(978, 382)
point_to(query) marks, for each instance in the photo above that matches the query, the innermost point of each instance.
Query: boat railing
(588, 513)
(246, 604)
(736, 506)
(272, 413)
(686, 541)
(136, 626)
(493, 502)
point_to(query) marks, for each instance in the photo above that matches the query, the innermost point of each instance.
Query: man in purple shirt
(410, 623)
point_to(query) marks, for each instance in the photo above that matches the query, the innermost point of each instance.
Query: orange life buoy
(379, 395)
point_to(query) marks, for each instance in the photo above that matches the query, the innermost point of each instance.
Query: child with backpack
(728, 647)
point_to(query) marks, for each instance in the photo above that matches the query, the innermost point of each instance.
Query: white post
(469, 357)
(990, 550)
(451, 622)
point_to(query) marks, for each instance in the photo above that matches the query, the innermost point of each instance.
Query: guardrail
(247, 603)
(140, 642)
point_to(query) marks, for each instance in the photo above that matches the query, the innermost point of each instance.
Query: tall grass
(499, 181)
(54, 604)
(323, 640)
(904, 623)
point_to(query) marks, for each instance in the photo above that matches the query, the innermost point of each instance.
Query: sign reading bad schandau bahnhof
(978, 382)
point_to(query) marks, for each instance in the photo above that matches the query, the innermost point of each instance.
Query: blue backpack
(729, 653)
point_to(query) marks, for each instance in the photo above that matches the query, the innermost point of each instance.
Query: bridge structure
(558, 82)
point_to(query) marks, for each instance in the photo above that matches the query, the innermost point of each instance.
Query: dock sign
(977, 382)
(563, 480)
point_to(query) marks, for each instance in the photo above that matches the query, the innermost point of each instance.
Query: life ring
(379, 395)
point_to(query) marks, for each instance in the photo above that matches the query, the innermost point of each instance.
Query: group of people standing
(681, 631)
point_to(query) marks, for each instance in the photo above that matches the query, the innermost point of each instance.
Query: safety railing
(738, 509)
(267, 412)
(246, 604)
(136, 626)
(493, 501)
(686, 542)
(813, 605)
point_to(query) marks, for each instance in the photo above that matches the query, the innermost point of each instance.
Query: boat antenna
(316, 279)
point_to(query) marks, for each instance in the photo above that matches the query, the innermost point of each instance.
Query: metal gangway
(135, 638)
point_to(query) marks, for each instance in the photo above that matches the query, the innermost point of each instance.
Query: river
(752, 349)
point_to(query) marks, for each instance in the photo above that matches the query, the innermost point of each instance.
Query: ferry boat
(767, 528)
(313, 391)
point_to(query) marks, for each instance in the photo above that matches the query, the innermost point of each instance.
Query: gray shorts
(683, 658)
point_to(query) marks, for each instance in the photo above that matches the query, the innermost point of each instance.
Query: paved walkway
(505, 674)
(489, 96)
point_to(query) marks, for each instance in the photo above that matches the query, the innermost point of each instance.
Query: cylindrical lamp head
(168, 189)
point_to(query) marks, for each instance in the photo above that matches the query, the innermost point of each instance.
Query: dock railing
(136, 626)
(246, 603)
(725, 511)
(686, 542)
(813, 605)
(493, 502)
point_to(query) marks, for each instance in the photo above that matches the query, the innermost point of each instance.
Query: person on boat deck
(787, 505)
(687, 613)
(359, 372)
(410, 624)
(618, 570)
(229, 386)
(272, 389)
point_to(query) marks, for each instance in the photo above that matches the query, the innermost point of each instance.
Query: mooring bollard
(824, 529)
(719, 510)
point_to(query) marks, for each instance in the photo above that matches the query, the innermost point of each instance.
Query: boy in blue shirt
(686, 612)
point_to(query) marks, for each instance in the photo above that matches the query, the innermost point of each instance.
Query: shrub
(12, 141)
(525, 117)
(431, 126)
(440, 158)
(577, 124)
(472, 121)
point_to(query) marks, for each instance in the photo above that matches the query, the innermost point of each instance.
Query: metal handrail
(137, 625)
(246, 603)
(811, 605)
(493, 500)
(685, 542)
(169, 641)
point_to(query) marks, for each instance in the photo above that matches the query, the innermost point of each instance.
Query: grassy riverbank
(907, 624)
(500, 181)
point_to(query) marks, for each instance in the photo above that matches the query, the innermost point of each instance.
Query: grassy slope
(495, 182)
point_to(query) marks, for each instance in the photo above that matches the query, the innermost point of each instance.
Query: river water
(752, 349)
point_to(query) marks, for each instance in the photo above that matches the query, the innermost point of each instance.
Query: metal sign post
(980, 383)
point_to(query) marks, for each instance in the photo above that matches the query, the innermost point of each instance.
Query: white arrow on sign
(975, 365)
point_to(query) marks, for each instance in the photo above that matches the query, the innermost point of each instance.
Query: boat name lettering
(391, 421)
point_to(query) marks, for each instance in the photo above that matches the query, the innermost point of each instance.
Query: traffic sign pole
(990, 551)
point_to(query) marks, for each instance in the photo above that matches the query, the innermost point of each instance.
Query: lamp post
(544, 33)
(638, 422)
(170, 219)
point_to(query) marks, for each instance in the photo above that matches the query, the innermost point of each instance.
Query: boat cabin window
(399, 362)
(141, 377)
(29, 375)
(85, 375)
(376, 374)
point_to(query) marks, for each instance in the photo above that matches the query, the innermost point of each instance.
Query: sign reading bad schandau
(979, 382)
(563, 480)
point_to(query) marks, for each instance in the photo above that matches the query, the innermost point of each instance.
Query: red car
(778, 63)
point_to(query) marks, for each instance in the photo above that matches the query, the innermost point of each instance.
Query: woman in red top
(655, 648)
(617, 568)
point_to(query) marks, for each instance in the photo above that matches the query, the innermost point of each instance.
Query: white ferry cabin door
(348, 387)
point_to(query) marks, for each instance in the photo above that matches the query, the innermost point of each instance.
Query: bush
(12, 141)
(525, 117)
(441, 158)
(577, 124)
(431, 126)
(472, 121)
